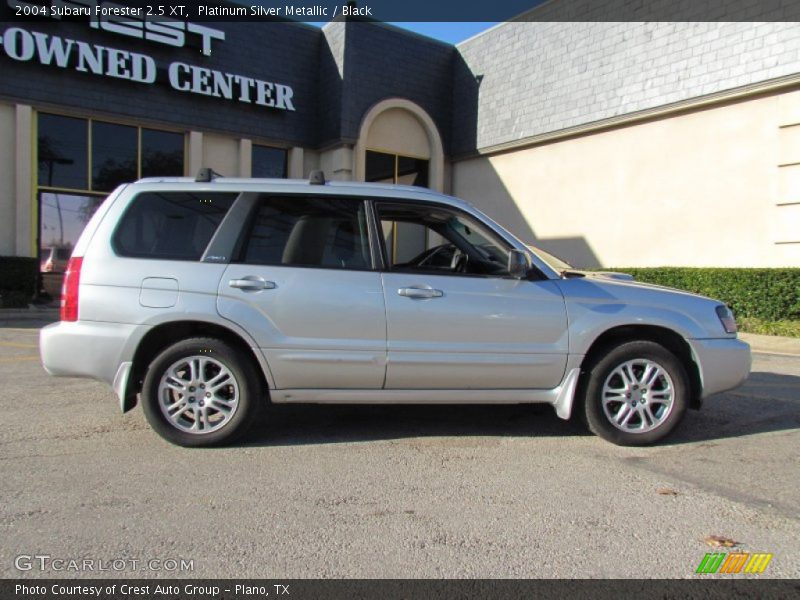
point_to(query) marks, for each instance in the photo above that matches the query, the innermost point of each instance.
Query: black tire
(600, 370)
(244, 385)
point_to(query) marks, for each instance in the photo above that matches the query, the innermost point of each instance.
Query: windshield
(552, 261)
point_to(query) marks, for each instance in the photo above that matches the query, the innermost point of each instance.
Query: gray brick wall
(382, 62)
(541, 77)
(331, 79)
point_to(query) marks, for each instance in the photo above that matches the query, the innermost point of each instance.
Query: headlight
(726, 318)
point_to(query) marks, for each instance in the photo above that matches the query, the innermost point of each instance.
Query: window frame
(90, 120)
(248, 224)
(118, 226)
(533, 274)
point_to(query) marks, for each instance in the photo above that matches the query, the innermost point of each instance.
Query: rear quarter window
(170, 225)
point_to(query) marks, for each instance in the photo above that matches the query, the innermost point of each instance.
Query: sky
(451, 33)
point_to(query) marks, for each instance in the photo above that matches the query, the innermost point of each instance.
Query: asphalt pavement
(370, 492)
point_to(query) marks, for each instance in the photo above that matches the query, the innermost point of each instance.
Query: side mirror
(518, 264)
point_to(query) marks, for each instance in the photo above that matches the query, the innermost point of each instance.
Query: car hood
(617, 276)
(626, 281)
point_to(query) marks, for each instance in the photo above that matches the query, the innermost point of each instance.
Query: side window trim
(379, 245)
(386, 266)
(224, 243)
(250, 214)
(375, 240)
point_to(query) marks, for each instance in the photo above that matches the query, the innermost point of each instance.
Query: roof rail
(206, 175)
(317, 178)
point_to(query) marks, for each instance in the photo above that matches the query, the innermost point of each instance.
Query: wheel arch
(668, 338)
(165, 334)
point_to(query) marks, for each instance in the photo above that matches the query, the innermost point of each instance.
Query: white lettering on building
(123, 20)
(24, 46)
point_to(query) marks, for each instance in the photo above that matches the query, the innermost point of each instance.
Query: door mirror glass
(518, 264)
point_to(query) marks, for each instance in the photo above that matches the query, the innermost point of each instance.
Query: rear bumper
(724, 363)
(85, 349)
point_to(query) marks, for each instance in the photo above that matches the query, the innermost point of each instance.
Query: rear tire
(201, 392)
(635, 394)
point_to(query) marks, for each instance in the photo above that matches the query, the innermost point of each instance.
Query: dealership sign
(24, 45)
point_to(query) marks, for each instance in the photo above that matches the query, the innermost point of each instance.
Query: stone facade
(538, 78)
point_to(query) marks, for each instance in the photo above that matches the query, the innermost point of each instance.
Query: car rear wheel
(636, 394)
(201, 392)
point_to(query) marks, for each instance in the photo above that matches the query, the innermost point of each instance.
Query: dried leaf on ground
(716, 541)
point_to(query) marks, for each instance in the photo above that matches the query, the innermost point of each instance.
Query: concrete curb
(772, 344)
(10, 316)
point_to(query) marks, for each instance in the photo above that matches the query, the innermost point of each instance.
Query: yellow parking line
(12, 359)
(17, 345)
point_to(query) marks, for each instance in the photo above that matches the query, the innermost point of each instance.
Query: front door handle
(251, 283)
(420, 292)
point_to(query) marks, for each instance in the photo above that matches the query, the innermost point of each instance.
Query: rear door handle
(420, 292)
(251, 283)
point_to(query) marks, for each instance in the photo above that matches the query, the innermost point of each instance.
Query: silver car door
(448, 328)
(305, 288)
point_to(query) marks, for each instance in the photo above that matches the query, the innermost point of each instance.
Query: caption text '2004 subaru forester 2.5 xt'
(209, 298)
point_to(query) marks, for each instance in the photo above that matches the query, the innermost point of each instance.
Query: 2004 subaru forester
(209, 298)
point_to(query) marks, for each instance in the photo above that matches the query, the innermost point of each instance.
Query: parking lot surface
(473, 491)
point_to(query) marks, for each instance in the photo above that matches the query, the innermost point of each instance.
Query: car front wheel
(636, 394)
(201, 392)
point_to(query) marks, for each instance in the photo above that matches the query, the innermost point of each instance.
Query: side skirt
(560, 397)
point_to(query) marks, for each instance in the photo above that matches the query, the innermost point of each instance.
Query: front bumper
(85, 349)
(723, 363)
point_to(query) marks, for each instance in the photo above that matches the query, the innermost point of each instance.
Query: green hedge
(17, 280)
(770, 294)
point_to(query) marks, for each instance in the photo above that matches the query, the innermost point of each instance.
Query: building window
(382, 167)
(79, 162)
(63, 152)
(268, 162)
(62, 217)
(403, 239)
(95, 156)
(114, 150)
(162, 153)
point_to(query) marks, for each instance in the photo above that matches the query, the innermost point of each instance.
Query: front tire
(636, 394)
(201, 392)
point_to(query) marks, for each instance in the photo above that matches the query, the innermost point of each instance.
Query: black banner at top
(407, 10)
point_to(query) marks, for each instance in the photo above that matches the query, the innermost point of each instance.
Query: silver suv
(209, 298)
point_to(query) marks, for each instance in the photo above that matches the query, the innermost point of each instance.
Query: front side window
(309, 232)
(440, 241)
(170, 225)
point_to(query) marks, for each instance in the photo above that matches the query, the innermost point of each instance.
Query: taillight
(69, 291)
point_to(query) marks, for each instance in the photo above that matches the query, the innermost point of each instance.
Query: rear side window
(309, 232)
(170, 225)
